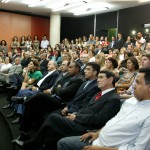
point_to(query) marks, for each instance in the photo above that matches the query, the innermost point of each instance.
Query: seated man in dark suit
(43, 84)
(26, 59)
(85, 60)
(76, 57)
(86, 91)
(84, 94)
(43, 63)
(128, 130)
(63, 91)
(102, 107)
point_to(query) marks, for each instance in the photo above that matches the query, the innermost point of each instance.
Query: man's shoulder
(92, 84)
(15, 66)
(79, 78)
(19, 65)
(55, 73)
(112, 95)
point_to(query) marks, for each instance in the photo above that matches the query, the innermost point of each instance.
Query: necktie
(98, 96)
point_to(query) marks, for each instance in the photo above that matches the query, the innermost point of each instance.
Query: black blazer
(110, 45)
(97, 113)
(79, 61)
(49, 81)
(119, 44)
(83, 96)
(67, 93)
(43, 66)
(61, 80)
(25, 62)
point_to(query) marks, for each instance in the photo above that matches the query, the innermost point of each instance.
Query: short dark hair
(108, 75)
(146, 72)
(95, 66)
(129, 54)
(77, 65)
(114, 61)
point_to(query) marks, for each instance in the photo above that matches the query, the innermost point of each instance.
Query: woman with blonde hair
(115, 55)
(121, 55)
(100, 59)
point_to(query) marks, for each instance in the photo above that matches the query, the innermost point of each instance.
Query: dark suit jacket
(110, 45)
(97, 113)
(49, 81)
(25, 62)
(83, 96)
(67, 93)
(119, 44)
(96, 51)
(79, 61)
(43, 66)
(62, 79)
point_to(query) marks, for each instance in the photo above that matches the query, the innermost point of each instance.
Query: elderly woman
(4, 70)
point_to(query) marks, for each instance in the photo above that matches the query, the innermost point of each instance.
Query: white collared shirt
(129, 129)
(44, 43)
(48, 74)
(106, 91)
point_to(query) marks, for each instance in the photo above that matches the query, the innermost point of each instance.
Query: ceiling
(70, 7)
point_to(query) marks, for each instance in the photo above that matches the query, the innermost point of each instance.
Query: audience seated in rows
(127, 130)
(105, 54)
(101, 108)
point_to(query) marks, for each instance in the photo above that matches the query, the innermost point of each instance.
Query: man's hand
(34, 88)
(46, 91)
(50, 91)
(71, 116)
(92, 135)
(95, 147)
(59, 86)
(64, 111)
(92, 148)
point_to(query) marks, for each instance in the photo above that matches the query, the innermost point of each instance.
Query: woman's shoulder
(38, 72)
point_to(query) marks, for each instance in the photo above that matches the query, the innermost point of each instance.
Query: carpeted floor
(5, 135)
(7, 130)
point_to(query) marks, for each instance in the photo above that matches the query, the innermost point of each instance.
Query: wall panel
(12, 24)
(40, 27)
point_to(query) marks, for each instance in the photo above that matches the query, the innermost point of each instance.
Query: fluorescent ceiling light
(38, 3)
(29, 2)
(90, 11)
(69, 6)
(5, 1)
(91, 8)
(143, 1)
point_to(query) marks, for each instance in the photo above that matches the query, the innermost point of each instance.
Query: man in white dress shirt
(128, 130)
(44, 42)
(140, 41)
